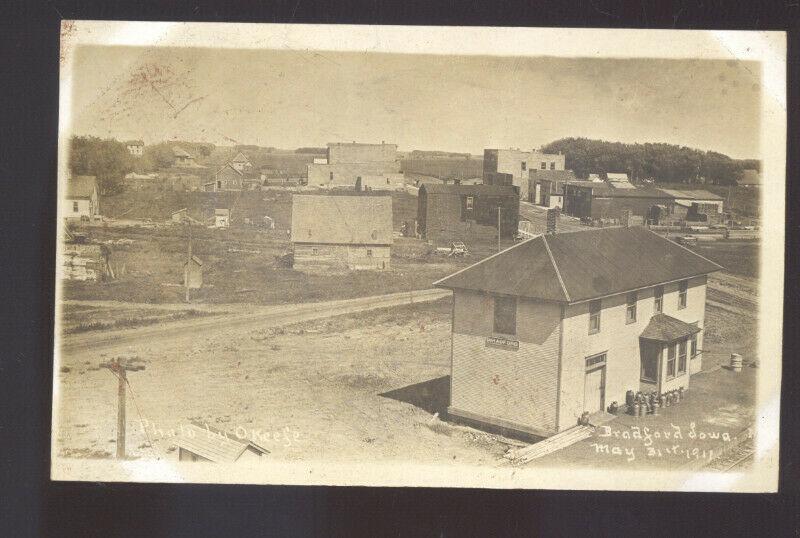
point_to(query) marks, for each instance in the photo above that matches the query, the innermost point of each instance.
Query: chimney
(552, 221)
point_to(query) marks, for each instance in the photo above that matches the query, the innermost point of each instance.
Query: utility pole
(186, 272)
(498, 228)
(120, 367)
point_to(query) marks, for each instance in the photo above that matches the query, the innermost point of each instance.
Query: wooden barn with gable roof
(565, 324)
(341, 232)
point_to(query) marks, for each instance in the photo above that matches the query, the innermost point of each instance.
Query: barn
(334, 233)
(468, 213)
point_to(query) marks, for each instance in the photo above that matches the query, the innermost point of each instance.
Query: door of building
(594, 390)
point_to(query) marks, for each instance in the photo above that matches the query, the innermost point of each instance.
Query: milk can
(736, 362)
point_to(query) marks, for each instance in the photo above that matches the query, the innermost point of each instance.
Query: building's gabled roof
(617, 176)
(81, 187)
(214, 445)
(223, 212)
(180, 152)
(470, 190)
(579, 266)
(240, 158)
(229, 168)
(196, 260)
(664, 328)
(699, 195)
(342, 219)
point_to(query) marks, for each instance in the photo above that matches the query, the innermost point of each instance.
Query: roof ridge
(555, 266)
(686, 249)
(496, 254)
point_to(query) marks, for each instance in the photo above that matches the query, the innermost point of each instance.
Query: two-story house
(567, 323)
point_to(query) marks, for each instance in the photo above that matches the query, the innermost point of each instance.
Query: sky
(289, 99)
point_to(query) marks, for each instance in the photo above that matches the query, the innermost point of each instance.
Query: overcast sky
(289, 99)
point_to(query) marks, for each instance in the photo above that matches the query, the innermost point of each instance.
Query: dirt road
(258, 318)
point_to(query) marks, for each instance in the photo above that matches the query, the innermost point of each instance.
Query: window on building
(650, 361)
(682, 357)
(659, 299)
(630, 310)
(594, 316)
(670, 362)
(331, 176)
(74, 207)
(314, 251)
(683, 287)
(470, 202)
(369, 252)
(219, 184)
(553, 165)
(595, 361)
(544, 165)
(505, 315)
(694, 346)
(524, 165)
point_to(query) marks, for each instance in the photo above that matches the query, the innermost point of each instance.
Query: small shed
(222, 218)
(193, 273)
(179, 215)
(204, 443)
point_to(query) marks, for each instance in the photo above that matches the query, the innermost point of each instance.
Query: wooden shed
(205, 443)
(193, 273)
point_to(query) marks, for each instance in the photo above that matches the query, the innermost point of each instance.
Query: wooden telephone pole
(119, 367)
(498, 228)
(187, 271)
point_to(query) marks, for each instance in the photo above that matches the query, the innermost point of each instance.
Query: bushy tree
(108, 160)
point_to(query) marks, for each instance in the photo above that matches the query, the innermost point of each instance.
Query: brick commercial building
(567, 323)
(518, 164)
(377, 165)
(468, 213)
(341, 232)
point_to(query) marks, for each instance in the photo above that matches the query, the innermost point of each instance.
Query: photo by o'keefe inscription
(347, 262)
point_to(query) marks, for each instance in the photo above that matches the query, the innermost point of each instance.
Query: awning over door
(666, 329)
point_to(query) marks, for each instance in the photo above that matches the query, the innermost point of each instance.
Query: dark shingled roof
(574, 267)
(664, 328)
(470, 190)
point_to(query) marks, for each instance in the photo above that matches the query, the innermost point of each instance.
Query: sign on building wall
(502, 343)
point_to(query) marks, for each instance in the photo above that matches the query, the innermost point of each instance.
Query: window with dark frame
(74, 207)
(671, 362)
(524, 165)
(369, 252)
(544, 165)
(553, 165)
(505, 315)
(650, 363)
(683, 288)
(470, 203)
(694, 347)
(594, 316)
(682, 357)
(659, 299)
(630, 310)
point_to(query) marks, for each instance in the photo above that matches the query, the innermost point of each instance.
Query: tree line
(663, 163)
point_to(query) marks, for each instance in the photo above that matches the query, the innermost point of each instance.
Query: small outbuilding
(204, 443)
(222, 218)
(193, 273)
(81, 200)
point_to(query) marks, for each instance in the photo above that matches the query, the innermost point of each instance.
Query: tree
(160, 155)
(108, 160)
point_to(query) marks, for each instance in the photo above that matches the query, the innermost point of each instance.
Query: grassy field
(737, 257)
(81, 319)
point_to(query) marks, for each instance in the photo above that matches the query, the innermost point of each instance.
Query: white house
(81, 199)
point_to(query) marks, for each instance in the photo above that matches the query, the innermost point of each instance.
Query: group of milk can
(640, 403)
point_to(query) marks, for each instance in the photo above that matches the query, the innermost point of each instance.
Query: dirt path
(262, 317)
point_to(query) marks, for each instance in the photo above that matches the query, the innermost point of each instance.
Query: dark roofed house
(467, 213)
(565, 324)
(547, 186)
(81, 201)
(341, 232)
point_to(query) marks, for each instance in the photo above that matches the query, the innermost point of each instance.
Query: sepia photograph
(419, 256)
